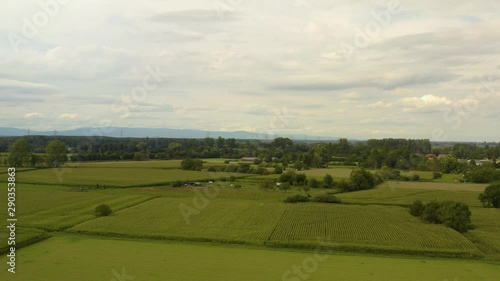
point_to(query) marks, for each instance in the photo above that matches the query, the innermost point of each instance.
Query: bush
(278, 170)
(192, 164)
(481, 175)
(344, 185)
(436, 175)
(328, 181)
(491, 196)
(288, 177)
(452, 214)
(313, 183)
(177, 184)
(431, 212)
(296, 199)
(417, 208)
(102, 210)
(326, 198)
(415, 177)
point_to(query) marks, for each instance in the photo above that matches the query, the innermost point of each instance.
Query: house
(430, 156)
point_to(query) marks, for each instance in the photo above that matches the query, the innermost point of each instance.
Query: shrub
(452, 214)
(431, 212)
(177, 184)
(313, 183)
(417, 208)
(278, 170)
(328, 181)
(481, 175)
(326, 198)
(300, 179)
(344, 185)
(415, 177)
(288, 177)
(192, 164)
(437, 175)
(296, 199)
(102, 210)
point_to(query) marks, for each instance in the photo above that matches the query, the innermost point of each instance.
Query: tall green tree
(56, 153)
(19, 153)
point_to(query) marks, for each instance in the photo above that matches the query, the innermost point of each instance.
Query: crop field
(487, 223)
(405, 193)
(235, 221)
(85, 259)
(116, 177)
(335, 172)
(375, 227)
(369, 227)
(156, 164)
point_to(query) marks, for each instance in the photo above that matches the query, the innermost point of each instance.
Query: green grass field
(405, 193)
(84, 259)
(116, 176)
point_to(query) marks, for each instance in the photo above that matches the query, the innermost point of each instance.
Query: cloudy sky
(391, 68)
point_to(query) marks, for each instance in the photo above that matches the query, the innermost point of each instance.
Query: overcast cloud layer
(416, 69)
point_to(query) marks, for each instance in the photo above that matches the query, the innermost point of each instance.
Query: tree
(491, 196)
(56, 153)
(102, 210)
(455, 215)
(431, 212)
(288, 177)
(19, 153)
(313, 183)
(481, 175)
(192, 164)
(361, 179)
(417, 208)
(328, 181)
(300, 179)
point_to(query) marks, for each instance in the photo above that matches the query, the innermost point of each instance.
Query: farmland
(386, 229)
(151, 219)
(116, 176)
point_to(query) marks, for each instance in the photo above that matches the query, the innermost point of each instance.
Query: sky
(390, 68)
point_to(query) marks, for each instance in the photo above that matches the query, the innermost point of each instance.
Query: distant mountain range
(128, 132)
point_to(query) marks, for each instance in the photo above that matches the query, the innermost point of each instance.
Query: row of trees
(399, 154)
(450, 213)
(20, 154)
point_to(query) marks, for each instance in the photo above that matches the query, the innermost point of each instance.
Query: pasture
(85, 258)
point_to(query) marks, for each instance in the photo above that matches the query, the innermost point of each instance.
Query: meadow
(84, 258)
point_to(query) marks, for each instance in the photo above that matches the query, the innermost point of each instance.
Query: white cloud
(69, 116)
(33, 115)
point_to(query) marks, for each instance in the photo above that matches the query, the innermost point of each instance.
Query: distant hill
(152, 132)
